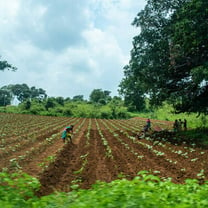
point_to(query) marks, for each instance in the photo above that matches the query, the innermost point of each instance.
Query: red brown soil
(87, 159)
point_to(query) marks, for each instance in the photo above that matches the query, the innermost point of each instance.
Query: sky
(67, 47)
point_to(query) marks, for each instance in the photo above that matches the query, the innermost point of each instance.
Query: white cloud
(67, 47)
(8, 11)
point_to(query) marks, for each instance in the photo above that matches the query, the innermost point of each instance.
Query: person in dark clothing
(145, 129)
(148, 124)
(185, 124)
(175, 126)
(180, 123)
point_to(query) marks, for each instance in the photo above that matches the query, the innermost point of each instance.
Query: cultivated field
(103, 150)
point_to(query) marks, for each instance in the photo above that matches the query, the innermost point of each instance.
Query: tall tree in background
(100, 96)
(169, 59)
(132, 91)
(5, 97)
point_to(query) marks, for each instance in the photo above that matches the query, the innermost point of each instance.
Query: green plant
(17, 189)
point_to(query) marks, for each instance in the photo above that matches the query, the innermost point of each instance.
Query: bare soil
(88, 159)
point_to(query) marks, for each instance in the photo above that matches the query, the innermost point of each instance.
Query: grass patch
(166, 113)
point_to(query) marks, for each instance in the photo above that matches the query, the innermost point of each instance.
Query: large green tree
(189, 48)
(169, 59)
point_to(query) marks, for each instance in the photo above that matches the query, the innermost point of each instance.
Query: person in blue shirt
(67, 134)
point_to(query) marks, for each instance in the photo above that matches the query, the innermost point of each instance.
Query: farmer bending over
(67, 134)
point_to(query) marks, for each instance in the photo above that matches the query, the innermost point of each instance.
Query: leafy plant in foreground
(145, 190)
(17, 189)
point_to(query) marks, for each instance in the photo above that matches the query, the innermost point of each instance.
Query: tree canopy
(169, 59)
(5, 65)
(21, 92)
(100, 96)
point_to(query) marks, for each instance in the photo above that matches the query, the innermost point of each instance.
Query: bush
(105, 114)
(67, 112)
(122, 113)
(145, 190)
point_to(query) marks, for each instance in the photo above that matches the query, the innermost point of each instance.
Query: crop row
(102, 150)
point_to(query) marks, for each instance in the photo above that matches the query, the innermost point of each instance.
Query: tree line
(34, 100)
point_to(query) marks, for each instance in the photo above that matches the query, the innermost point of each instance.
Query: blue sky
(67, 47)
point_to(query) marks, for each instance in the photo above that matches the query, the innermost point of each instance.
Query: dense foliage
(169, 59)
(113, 107)
(100, 96)
(18, 190)
(21, 92)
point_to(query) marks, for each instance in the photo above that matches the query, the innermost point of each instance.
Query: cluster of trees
(169, 58)
(35, 101)
(21, 92)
